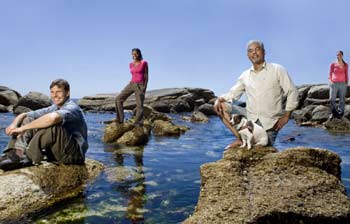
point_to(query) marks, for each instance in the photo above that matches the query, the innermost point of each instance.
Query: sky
(187, 43)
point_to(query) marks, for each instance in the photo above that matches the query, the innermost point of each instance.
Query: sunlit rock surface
(298, 185)
(32, 189)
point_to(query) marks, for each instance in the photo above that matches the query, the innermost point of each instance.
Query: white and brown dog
(251, 133)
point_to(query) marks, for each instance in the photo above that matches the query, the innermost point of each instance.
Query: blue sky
(187, 43)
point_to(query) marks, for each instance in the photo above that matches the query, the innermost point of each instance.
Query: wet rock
(181, 106)
(124, 174)
(297, 185)
(136, 136)
(167, 128)
(32, 189)
(114, 131)
(338, 125)
(207, 109)
(198, 116)
(161, 106)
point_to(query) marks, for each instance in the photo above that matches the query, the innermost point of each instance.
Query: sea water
(160, 182)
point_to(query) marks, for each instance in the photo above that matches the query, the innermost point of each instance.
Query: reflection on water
(160, 182)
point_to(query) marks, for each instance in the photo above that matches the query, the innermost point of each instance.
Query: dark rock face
(314, 108)
(8, 98)
(33, 101)
(207, 109)
(298, 185)
(32, 189)
(162, 100)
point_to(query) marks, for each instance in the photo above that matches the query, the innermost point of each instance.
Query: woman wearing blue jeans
(338, 77)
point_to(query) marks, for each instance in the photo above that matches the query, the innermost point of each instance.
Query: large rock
(113, 131)
(32, 189)
(34, 101)
(320, 113)
(163, 100)
(337, 125)
(8, 98)
(167, 128)
(298, 185)
(99, 102)
(319, 92)
(136, 136)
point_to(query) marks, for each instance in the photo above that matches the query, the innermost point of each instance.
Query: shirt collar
(264, 67)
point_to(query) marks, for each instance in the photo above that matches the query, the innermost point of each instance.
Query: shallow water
(160, 182)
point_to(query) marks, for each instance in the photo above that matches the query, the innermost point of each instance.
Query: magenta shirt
(138, 72)
(338, 73)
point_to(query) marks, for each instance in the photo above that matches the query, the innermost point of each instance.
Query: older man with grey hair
(265, 85)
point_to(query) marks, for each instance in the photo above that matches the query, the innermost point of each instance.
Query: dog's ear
(237, 118)
(250, 126)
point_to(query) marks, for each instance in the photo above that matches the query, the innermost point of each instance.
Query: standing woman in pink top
(338, 77)
(138, 85)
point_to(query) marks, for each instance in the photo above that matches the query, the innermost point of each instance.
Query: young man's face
(256, 54)
(58, 95)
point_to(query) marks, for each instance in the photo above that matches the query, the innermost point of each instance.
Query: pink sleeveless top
(138, 71)
(338, 74)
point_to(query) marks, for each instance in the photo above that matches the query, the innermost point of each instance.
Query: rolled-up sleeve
(289, 89)
(38, 113)
(236, 91)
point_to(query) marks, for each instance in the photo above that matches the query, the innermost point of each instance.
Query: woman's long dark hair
(342, 55)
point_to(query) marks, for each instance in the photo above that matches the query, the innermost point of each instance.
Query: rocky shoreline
(313, 107)
(299, 185)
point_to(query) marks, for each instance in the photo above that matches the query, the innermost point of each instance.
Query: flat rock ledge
(30, 190)
(297, 185)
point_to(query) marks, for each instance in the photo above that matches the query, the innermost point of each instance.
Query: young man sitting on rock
(57, 132)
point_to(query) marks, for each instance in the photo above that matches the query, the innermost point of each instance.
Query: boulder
(320, 113)
(9, 97)
(161, 100)
(161, 106)
(304, 114)
(297, 185)
(33, 189)
(136, 136)
(302, 93)
(21, 109)
(3, 109)
(198, 116)
(114, 130)
(167, 128)
(207, 109)
(337, 125)
(99, 102)
(181, 106)
(319, 92)
(313, 101)
(34, 101)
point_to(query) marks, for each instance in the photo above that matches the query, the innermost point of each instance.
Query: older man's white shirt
(265, 90)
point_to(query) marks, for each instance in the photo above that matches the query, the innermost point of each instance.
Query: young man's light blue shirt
(73, 121)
